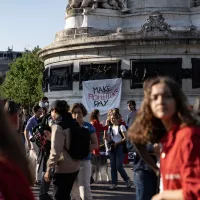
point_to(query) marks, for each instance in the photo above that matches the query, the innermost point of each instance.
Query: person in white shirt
(116, 139)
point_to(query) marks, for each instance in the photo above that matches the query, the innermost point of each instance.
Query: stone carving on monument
(61, 78)
(97, 71)
(120, 5)
(147, 68)
(197, 2)
(156, 22)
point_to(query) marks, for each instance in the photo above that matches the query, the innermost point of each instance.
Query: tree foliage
(23, 82)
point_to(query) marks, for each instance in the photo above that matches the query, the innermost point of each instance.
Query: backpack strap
(111, 131)
(119, 130)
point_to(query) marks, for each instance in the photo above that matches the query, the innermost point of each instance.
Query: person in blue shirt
(81, 188)
(32, 147)
(145, 179)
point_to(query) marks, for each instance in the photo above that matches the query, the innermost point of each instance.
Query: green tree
(23, 82)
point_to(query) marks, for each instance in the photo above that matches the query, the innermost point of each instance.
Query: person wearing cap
(65, 168)
(32, 147)
(13, 113)
(44, 103)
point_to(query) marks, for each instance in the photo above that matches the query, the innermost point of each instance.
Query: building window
(147, 68)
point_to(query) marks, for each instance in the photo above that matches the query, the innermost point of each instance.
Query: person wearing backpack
(81, 188)
(61, 166)
(117, 141)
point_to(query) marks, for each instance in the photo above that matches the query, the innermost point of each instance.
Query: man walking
(32, 147)
(132, 114)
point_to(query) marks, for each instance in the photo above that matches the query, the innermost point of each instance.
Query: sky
(28, 23)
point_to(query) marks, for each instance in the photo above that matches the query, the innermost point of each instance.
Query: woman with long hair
(117, 138)
(81, 188)
(165, 104)
(94, 120)
(14, 171)
(117, 112)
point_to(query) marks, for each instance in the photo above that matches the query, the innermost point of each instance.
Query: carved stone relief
(93, 4)
(96, 71)
(197, 2)
(143, 69)
(61, 78)
(156, 22)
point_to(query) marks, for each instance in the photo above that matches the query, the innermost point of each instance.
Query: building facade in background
(5, 58)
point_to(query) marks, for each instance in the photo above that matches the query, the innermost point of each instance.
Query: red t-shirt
(13, 184)
(180, 161)
(99, 127)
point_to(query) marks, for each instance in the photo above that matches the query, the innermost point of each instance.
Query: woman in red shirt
(15, 177)
(94, 120)
(165, 104)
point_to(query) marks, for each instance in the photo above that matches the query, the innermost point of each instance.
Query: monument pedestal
(135, 46)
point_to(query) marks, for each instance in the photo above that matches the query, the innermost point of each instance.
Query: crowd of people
(164, 135)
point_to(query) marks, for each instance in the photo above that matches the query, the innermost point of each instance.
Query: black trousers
(62, 185)
(44, 188)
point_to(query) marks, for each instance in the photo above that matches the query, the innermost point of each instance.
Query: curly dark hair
(94, 115)
(147, 127)
(79, 105)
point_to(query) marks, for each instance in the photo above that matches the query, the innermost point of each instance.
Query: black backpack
(80, 139)
(124, 143)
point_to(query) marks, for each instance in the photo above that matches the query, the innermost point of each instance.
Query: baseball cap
(59, 104)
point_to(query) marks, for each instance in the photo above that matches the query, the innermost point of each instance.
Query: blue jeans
(116, 163)
(146, 184)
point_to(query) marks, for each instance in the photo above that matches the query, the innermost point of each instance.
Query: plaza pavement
(100, 191)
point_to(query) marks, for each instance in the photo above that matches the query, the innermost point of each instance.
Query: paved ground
(100, 191)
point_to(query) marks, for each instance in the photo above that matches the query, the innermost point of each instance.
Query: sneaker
(112, 187)
(128, 183)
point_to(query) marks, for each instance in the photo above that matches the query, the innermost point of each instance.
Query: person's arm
(57, 144)
(143, 153)
(98, 126)
(28, 128)
(94, 141)
(93, 137)
(190, 166)
(169, 195)
(189, 172)
(123, 131)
